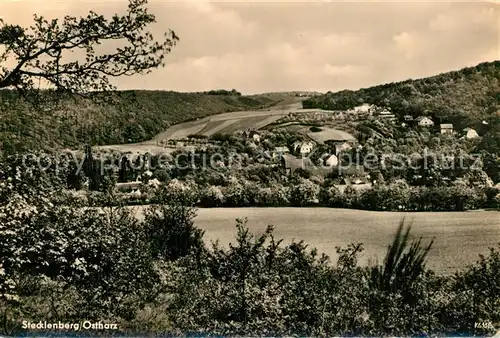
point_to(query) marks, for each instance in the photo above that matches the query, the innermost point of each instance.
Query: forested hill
(461, 97)
(134, 116)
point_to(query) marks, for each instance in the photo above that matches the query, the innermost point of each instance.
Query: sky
(322, 46)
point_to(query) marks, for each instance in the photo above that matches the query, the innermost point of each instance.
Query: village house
(292, 163)
(424, 121)
(252, 134)
(408, 118)
(470, 133)
(357, 183)
(365, 108)
(303, 148)
(276, 153)
(331, 161)
(387, 115)
(446, 128)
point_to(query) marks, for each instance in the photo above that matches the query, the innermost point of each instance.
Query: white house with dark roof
(332, 161)
(303, 148)
(446, 128)
(424, 121)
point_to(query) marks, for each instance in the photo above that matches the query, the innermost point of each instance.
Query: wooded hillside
(133, 116)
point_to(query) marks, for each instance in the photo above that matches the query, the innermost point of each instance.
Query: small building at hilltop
(424, 121)
(470, 133)
(446, 128)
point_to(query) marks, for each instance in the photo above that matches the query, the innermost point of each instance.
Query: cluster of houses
(444, 128)
(385, 114)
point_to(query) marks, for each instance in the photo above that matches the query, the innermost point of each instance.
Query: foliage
(403, 264)
(464, 97)
(304, 193)
(232, 92)
(258, 286)
(105, 254)
(171, 229)
(331, 196)
(41, 51)
(156, 276)
(133, 116)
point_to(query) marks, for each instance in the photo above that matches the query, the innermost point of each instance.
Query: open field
(225, 123)
(228, 123)
(460, 236)
(329, 134)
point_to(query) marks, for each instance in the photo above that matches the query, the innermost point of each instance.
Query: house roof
(282, 149)
(420, 118)
(128, 185)
(355, 181)
(332, 160)
(300, 144)
(292, 162)
(446, 126)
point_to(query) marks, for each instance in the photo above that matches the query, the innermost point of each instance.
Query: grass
(328, 134)
(460, 236)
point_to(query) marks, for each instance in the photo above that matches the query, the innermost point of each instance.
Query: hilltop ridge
(461, 97)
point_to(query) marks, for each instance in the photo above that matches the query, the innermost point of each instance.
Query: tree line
(157, 275)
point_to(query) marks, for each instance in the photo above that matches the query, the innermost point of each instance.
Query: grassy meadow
(460, 236)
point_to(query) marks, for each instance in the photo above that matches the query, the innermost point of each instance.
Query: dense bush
(157, 276)
(259, 287)
(304, 193)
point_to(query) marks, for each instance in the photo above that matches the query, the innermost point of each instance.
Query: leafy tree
(72, 246)
(304, 193)
(170, 224)
(331, 196)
